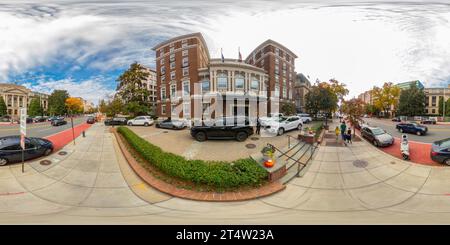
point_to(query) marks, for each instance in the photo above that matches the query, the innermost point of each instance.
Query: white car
(306, 118)
(272, 117)
(141, 121)
(284, 124)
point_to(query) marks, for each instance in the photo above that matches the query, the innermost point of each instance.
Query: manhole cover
(250, 146)
(62, 153)
(165, 132)
(254, 138)
(45, 162)
(360, 163)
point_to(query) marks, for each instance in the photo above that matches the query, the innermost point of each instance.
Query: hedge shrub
(216, 174)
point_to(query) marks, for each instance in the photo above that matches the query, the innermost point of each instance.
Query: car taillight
(434, 153)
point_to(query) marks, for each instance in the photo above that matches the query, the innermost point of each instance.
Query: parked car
(428, 121)
(90, 120)
(39, 119)
(116, 121)
(396, 119)
(238, 132)
(29, 120)
(284, 124)
(377, 136)
(306, 118)
(52, 118)
(141, 120)
(271, 117)
(440, 151)
(171, 124)
(412, 128)
(11, 151)
(59, 122)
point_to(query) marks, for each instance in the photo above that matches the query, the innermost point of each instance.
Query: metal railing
(297, 162)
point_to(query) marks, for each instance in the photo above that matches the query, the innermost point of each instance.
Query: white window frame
(209, 85)
(172, 75)
(184, 52)
(185, 61)
(173, 91)
(185, 71)
(163, 109)
(221, 76)
(254, 79)
(186, 93)
(239, 77)
(172, 65)
(163, 93)
(172, 57)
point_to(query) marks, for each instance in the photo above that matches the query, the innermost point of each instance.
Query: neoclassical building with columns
(17, 96)
(192, 85)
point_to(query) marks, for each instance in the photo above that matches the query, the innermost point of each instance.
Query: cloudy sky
(83, 46)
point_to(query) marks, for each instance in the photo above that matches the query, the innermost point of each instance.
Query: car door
(31, 150)
(370, 135)
(139, 121)
(292, 123)
(12, 152)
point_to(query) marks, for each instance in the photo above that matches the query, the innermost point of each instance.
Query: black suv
(411, 127)
(240, 132)
(116, 121)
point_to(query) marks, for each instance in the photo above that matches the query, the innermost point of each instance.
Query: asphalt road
(43, 129)
(435, 132)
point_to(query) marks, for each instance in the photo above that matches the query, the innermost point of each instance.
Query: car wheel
(447, 161)
(375, 143)
(280, 131)
(130, 124)
(200, 136)
(241, 136)
(47, 152)
(299, 127)
(146, 124)
(419, 133)
(3, 161)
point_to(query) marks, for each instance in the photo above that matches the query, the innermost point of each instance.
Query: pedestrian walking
(349, 136)
(337, 131)
(343, 130)
(258, 126)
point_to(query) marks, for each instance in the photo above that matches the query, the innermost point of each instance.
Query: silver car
(377, 136)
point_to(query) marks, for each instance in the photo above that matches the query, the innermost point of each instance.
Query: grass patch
(217, 175)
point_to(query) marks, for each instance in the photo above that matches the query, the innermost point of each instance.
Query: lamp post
(443, 106)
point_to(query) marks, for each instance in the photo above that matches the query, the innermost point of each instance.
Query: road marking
(11, 193)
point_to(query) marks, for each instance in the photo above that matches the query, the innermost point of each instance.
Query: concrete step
(288, 177)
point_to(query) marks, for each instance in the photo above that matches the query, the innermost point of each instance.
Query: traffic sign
(23, 126)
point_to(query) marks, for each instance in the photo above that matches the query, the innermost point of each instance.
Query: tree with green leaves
(321, 99)
(441, 106)
(3, 108)
(371, 109)
(57, 102)
(412, 102)
(131, 89)
(114, 107)
(35, 108)
(288, 108)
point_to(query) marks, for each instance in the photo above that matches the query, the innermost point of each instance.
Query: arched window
(239, 81)
(222, 81)
(255, 83)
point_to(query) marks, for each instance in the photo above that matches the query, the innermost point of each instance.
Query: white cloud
(361, 44)
(91, 90)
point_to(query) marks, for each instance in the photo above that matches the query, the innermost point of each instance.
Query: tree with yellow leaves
(386, 98)
(74, 105)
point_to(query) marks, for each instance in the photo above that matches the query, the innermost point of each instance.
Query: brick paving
(167, 188)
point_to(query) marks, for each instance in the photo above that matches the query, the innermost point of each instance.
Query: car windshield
(444, 143)
(377, 131)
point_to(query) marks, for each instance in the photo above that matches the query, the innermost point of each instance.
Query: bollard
(84, 135)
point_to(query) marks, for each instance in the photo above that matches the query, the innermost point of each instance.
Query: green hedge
(216, 174)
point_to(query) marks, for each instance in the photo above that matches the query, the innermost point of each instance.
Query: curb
(169, 189)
